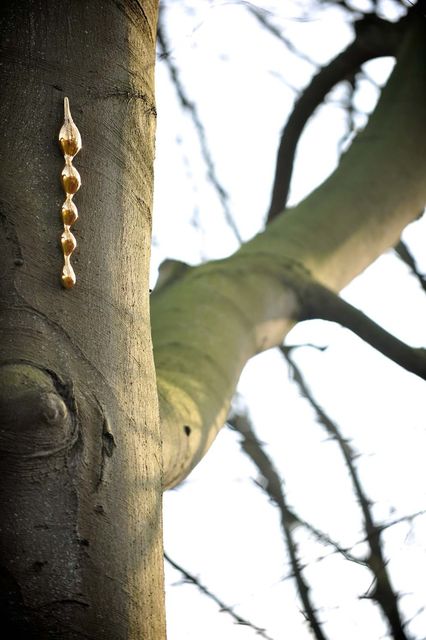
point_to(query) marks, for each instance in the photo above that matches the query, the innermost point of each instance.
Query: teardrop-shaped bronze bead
(69, 135)
(69, 212)
(68, 275)
(70, 177)
(68, 242)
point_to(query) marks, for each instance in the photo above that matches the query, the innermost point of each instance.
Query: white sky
(219, 525)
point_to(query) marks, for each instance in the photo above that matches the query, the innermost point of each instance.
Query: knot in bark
(35, 419)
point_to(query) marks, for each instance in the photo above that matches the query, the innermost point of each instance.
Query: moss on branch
(212, 320)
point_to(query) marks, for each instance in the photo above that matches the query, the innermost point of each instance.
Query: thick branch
(374, 38)
(321, 303)
(213, 319)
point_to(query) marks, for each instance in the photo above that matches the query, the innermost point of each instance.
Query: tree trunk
(80, 495)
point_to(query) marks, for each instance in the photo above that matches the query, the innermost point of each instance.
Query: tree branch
(189, 577)
(321, 303)
(274, 489)
(374, 38)
(383, 592)
(272, 485)
(191, 107)
(406, 256)
(262, 17)
(218, 315)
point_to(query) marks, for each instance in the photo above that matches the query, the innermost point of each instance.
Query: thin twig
(189, 577)
(263, 18)
(191, 107)
(407, 257)
(382, 591)
(252, 447)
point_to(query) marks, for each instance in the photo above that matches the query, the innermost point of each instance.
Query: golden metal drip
(69, 212)
(69, 135)
(70, 143)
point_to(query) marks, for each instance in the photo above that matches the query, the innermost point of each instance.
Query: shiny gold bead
(68, 275)
(70, 177)
(69, 135)
(69, 212)
(68, 242)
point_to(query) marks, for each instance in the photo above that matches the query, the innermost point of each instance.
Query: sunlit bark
(207, 324)
(80, 495)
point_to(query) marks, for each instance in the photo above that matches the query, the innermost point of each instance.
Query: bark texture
(80, 494)
(208, 323)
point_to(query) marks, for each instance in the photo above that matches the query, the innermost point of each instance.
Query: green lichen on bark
(211, 321)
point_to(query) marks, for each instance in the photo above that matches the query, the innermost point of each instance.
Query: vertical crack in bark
(11, 256)
(108, 444)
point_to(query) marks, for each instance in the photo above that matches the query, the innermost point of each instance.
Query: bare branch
(223, 607)
(274, 489)
(262, 16)
(346, 552)
(318, 302)
(272, 484)
(406, 256)
(343, 4)
(406, 518)
(191, 107)
(382, 591)
(326, 539)
(374, 38)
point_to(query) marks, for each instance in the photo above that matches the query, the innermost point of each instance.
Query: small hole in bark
(38, 566)
(187, 430)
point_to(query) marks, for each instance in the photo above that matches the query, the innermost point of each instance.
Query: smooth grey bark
(80, 491)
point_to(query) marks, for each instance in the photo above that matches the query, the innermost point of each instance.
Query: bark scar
(108, 445)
